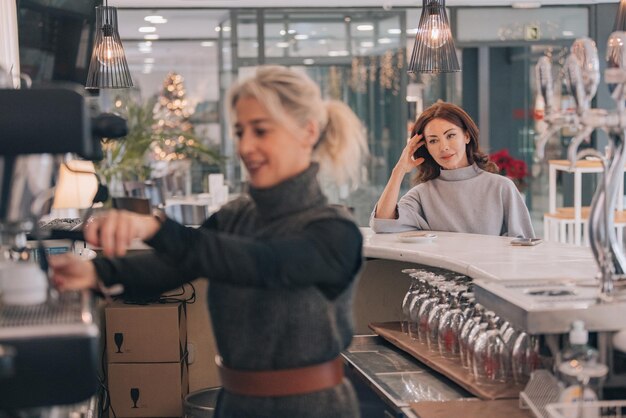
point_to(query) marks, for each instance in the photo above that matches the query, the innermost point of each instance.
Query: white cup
(22, 283)
(216, 181)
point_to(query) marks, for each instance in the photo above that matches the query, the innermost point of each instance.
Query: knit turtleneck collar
(463, 173)
(293, 195)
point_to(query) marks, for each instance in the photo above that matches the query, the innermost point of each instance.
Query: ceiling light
(291, 31)
(282, 44)
(308, 61)
(384, 41)
(145, 45)
(283, 32)
(367, 44)
(434, 51)
(151, 37)
(342, 53)
(147, 29)
(301, 37)
(226, 28)
(155, 19)
(394, 31)
(148, 60)
(207, 43)
(108, 68)
(365, 27)
(526, 5)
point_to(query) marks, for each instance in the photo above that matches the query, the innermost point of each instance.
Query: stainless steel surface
(397, 377)
(71, 313)
(85, 409)
(551, 306)
(29, 181)
(57, 350)
(201, 404)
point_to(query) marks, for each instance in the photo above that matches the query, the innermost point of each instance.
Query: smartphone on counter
(526, 242)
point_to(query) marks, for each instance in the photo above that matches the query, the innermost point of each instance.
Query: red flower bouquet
(515, 169)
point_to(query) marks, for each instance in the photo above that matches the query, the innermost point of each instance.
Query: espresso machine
(49, 342)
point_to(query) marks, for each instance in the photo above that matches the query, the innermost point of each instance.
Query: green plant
(130, 158)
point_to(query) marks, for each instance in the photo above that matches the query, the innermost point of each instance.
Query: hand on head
(114, 230)
(407, 162)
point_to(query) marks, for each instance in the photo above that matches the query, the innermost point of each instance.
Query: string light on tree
(172, 121)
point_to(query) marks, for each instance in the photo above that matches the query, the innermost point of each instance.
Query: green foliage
(129, 158)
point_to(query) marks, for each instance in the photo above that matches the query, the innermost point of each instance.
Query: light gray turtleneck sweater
(467, 199)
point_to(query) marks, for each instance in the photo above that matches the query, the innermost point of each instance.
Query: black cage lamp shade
(108, 68)
(434, 50)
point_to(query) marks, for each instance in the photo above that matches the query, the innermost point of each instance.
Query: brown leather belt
(286, 382)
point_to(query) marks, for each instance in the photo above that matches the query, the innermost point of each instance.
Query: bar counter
(493, 263)
(485, 257)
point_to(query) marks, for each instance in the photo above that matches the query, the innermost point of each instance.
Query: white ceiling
(197, 61)
(330, 3)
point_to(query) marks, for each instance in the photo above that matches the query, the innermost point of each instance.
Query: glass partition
(359, 56)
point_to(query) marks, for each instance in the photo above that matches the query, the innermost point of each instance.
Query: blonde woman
(281, 261)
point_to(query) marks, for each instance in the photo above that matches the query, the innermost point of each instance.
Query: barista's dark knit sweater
(282, 264)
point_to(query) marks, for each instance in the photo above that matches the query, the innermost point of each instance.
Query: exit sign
(531, 32)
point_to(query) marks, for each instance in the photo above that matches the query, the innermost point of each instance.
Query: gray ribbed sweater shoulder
(467, 199)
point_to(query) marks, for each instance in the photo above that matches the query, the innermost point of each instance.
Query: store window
(358, 56)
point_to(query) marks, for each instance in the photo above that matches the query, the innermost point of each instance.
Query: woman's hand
(406, 163)
(114, 230)
(386, 208)
(70, 272)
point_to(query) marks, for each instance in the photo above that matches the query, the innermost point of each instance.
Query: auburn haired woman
(458, 189)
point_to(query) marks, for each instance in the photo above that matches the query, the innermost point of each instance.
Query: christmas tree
(160, 137)
(176, 137)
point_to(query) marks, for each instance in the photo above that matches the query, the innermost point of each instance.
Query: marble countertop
(489, 258)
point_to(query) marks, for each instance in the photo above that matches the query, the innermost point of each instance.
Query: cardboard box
(148, 389)
(145, 333)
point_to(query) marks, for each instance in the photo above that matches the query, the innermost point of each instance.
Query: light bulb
(109, 50)
(435, 36)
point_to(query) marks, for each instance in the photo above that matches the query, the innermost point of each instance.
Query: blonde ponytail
(342, 147)
(290, 96)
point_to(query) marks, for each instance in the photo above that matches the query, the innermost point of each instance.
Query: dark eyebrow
(451, 129)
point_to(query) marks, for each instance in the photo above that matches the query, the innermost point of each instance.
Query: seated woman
(458, 189)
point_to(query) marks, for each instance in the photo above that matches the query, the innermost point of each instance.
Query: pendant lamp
(434, 50)
(108, 68)
(620, 19)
